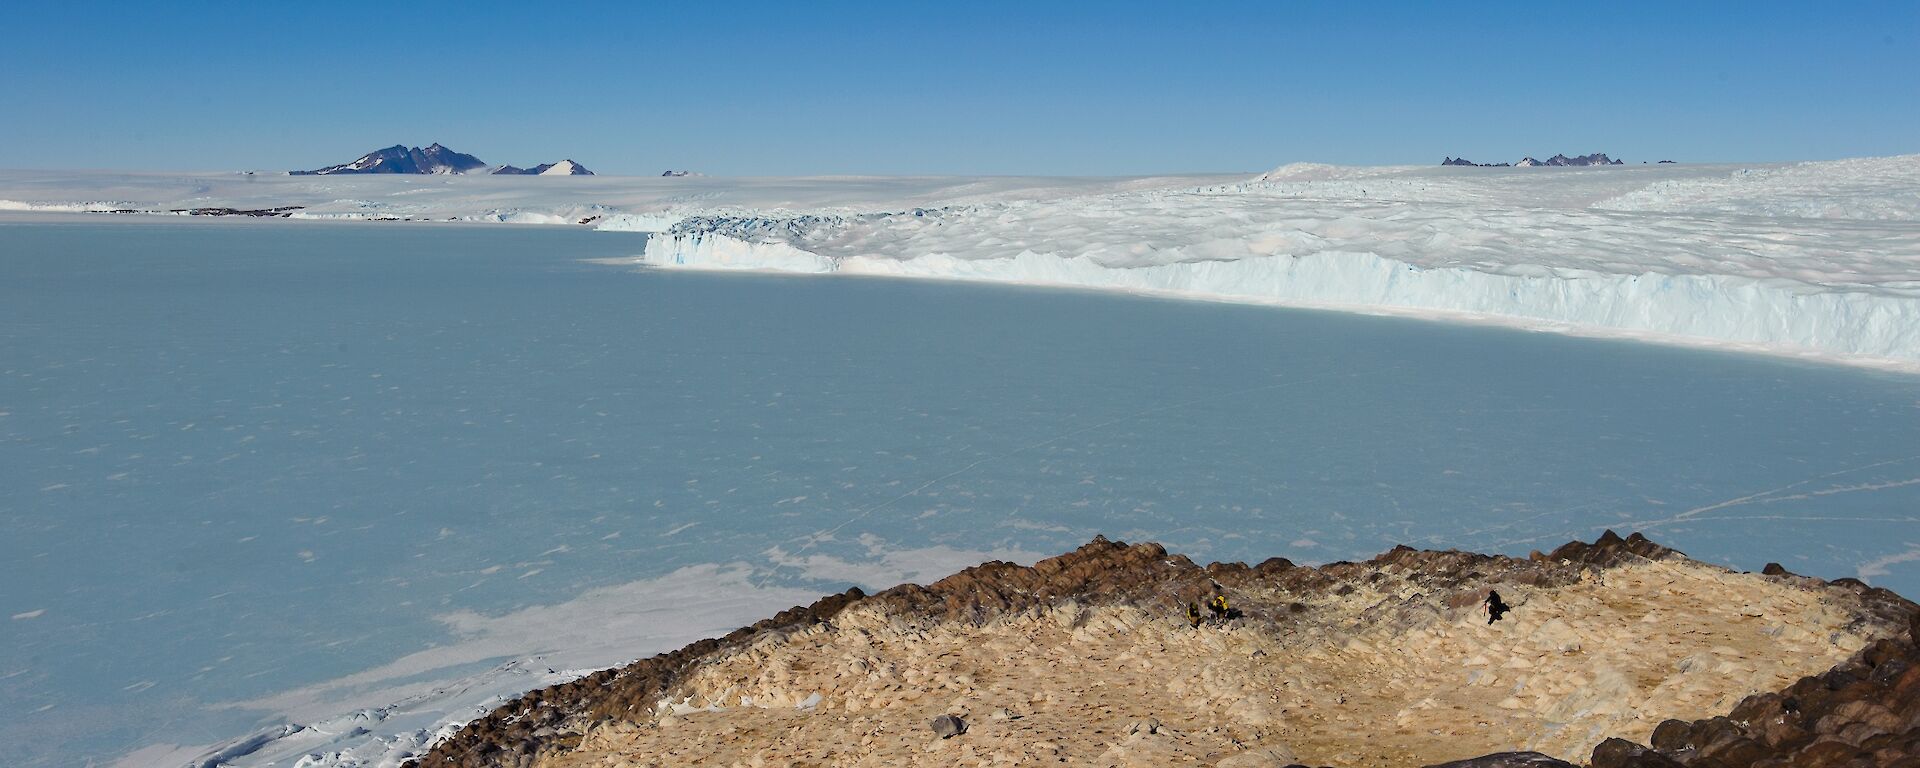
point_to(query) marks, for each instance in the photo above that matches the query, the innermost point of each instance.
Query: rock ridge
(1597, 158)
(1406, 588)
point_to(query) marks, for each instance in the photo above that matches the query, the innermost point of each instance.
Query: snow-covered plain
(631, 202)
(1816, 259)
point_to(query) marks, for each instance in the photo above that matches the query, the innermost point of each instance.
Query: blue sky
(973, 88)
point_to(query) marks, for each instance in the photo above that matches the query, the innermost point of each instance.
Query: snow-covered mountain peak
(563, 168)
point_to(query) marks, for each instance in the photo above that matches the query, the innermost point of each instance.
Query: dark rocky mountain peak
(400, 159)
(1597, 158)
(437, 158)
(1562, 161)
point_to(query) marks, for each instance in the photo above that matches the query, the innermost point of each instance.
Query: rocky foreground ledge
(1616, 653)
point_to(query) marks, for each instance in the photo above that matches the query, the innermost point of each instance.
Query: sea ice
(296, 488)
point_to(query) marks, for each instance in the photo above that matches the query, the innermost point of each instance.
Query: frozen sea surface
(361, 479)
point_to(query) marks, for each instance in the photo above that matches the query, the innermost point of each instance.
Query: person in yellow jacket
(1217, 604)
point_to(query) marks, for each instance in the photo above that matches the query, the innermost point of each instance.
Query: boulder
(1260, 757)
(1508, 760)
(1724, 742)
(1822, 754)
(1672, 736)
(948, 726)
(1620, 753)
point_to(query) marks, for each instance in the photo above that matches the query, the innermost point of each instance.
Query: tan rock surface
(1387, 674)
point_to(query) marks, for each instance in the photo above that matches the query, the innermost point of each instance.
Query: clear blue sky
(956, 87)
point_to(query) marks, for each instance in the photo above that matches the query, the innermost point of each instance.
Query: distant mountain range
(562, 168)
(436, 159)
(1597, 158)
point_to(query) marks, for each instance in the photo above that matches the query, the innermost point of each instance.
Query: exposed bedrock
(1088, 658)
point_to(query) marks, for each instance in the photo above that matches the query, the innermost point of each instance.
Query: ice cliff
(1817, 259)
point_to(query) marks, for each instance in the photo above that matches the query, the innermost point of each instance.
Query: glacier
(1816, 259)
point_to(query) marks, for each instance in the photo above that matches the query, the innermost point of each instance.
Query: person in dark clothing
(1496, 607)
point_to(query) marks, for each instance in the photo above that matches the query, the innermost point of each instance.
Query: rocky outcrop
(1509, 760)
(280, 212)
(1620, 753)
(1107, 598)
(1864, 713)
(512, 735)
(1610, 550)
(1597, 158)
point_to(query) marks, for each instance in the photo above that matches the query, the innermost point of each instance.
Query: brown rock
(1907, 686)
(1735, 753)
(1508, 760)
(1620, 753)
(1839, 678)
(1610, 549)
(1259, 757)
(1672, 736)
(1889, 671)
(1757, 707)
(1722, 742)
(1870, 713)
(1825, 754)
(1858, 734)
(948, 726)
(1781, 733)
